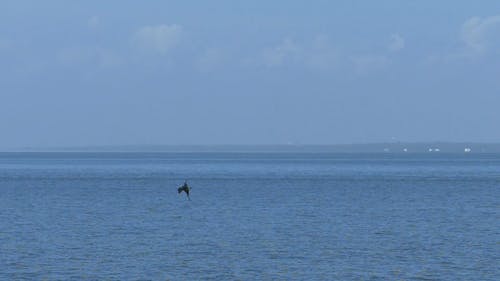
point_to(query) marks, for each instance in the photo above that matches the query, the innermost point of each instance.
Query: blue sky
(248, 72)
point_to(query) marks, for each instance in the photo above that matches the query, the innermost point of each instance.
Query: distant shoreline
(430, 147)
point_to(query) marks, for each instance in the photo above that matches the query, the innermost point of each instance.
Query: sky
(77, 73)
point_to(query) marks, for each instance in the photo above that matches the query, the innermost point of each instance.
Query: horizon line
(421, 146)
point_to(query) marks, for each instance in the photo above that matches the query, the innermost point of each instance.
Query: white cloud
(397, 43)
(478, 34)
(315, 54)
(210, 59)
(287, 51)
(322, 54)
(368, 63)
(96, 56)
(108, 59)
(479, 37)
(158, 39)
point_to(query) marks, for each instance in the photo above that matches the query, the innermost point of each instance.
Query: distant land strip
(396, 147)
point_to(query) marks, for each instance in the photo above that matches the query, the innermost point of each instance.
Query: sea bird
(184, 188)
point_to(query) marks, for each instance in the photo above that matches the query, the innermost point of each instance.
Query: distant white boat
(467, 149)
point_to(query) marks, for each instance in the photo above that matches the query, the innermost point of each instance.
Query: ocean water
(260, 216)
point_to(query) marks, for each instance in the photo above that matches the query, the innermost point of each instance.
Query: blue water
(117, 216)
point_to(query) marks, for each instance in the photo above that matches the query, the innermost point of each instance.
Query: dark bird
(184, 188)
